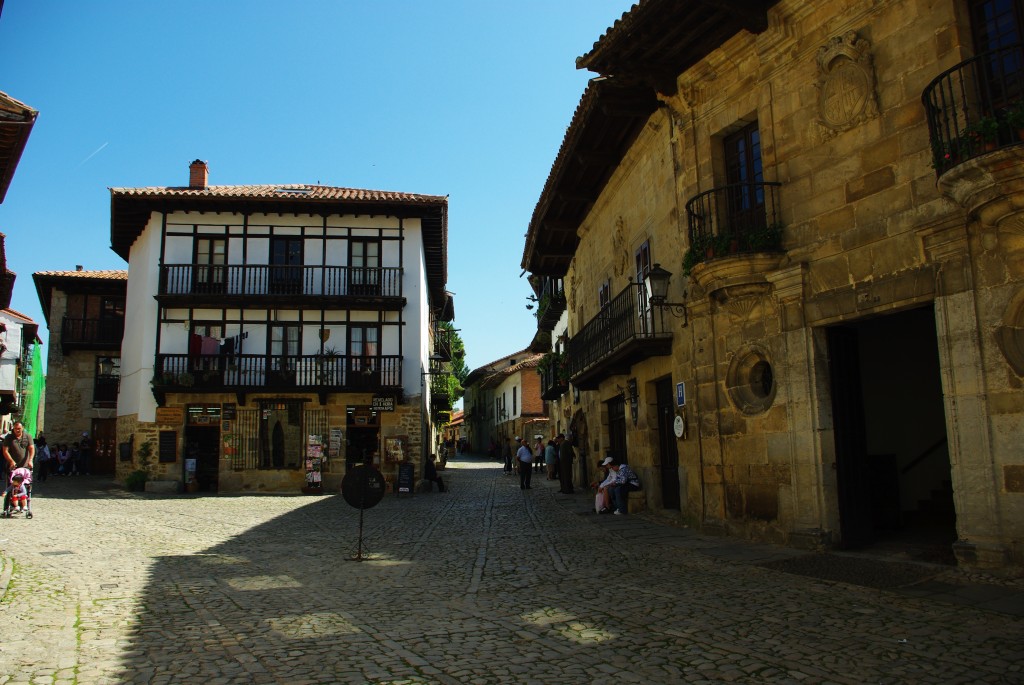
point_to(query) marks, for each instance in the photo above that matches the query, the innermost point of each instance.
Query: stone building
(503, 400)
(830, 193)
(84, 312)
(280, 333)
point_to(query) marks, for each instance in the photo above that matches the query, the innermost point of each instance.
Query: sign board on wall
(383, 404)
(170, 416)
(680, 394)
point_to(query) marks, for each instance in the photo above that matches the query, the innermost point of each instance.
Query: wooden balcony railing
(80, 333)
(625, 331)
(551, 385)
(443, 344)
(976, 107)
(247, 280)
(551, 304)
(252, 372)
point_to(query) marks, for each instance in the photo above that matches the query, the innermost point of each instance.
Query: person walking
(18, 450)
(551, 459)
(525, 458)
(538, 455)
(506, 455)
(566, 455)
(42, 458)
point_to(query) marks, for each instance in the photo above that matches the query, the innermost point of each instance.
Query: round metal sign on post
(678, 426)
(363, 487)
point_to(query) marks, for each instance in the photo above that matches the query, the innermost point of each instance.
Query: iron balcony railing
(104, 391)
(976, 107)
(337, 373)
(83, 332)
(627, 318)
(268, 279)
(735, 218)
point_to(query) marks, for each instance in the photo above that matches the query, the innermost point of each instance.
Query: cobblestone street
(486, 583)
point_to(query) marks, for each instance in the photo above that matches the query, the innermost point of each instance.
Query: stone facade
(796, 428)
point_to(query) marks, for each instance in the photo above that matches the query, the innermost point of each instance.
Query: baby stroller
(10, 509)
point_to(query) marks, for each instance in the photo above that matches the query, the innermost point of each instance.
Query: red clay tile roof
(130, 209)
(281, 192)
(119, 275)
(18, 315)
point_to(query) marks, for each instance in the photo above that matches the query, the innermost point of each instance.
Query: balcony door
(284, 349)
(744, 211)
(364, 357)
(997, 28)
(286, 266)
(642, 257)
(364, 267)
(210, 272)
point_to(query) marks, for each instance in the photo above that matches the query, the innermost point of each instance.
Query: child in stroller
(18, 495)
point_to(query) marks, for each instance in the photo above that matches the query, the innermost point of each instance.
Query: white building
(261, 319)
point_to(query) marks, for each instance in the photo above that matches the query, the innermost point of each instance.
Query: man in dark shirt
(566, 455)
(18, 450)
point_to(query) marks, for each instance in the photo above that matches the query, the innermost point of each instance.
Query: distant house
(18, 336)
(280, 334)
(84, 312)
(503, 399)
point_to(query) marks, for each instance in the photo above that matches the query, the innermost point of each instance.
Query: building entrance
(667, 449)
(892, 458)
(202, 443)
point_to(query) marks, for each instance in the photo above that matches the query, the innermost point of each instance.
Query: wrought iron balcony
(976, 107)
(104, 393)
(551, 304)
(552, 383)
(740, 218)
(243, 373)
(92, 334)
(623, 333)
(198, 282)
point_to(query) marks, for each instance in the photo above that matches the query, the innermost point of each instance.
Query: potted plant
(1014, 118)
(766, 239)
(984, 133)
(699, 250)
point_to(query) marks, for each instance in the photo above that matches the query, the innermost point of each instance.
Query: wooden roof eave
(608, 119)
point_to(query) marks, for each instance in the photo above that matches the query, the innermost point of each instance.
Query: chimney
(198, 174)
(78, 267)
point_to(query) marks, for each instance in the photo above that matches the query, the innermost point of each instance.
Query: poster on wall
(394, 449)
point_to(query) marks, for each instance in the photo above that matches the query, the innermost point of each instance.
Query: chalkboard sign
(406, 478)
(168, 446)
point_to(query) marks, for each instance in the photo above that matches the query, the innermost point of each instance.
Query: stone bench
(637, 501)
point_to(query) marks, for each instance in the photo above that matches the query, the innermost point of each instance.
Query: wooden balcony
(246, 373)
(90, 334)
(271, 285)
(443, 344)
(551, 304)
(624, 332)
(551, 386)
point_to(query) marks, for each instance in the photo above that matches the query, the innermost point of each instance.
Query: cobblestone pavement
(486, 583)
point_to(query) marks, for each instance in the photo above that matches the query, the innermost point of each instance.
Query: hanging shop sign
(383, 404)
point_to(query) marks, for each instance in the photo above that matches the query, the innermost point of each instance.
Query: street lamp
(656, 284)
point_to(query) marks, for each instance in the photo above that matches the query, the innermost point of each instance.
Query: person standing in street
(19, 452)
(551, 459)
(566, 455)
(525, 458)
(506, 455)
(84, 454)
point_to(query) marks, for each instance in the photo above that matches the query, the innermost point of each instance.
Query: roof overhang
(658, 40)
(16, 122)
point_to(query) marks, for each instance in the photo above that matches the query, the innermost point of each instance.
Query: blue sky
(466, 98)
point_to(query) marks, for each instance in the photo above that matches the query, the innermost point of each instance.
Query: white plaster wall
(140, 322)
